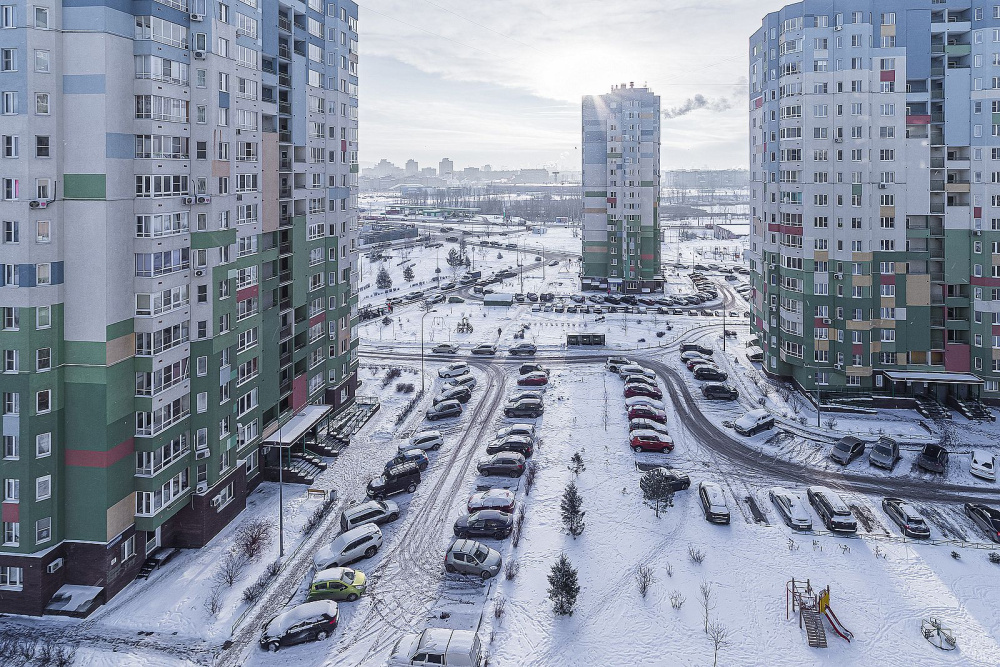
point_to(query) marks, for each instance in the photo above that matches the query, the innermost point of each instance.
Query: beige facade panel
(861, 281)
(858, 325)
(120, 349)
(120, 516)
(918, 290)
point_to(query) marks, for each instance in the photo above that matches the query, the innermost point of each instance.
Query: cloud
(699, 101)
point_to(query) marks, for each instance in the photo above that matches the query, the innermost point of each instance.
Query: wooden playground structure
(813, 606)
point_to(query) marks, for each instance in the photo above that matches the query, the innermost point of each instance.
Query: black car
(547, 297)
(612, 299)
(524, 409)
(986, 517)
(677, 481)
(485, 523)
(695, 347)
(460, 393)
(396, 479)
(524, 349)
(312, 621)
(630, 300)
(832, 509)
(531, 368)
(906, 517)
(513, 443)
(933, 458)
(532, 297)
(417, 456)
(717, 390)
(710, 373)
(505, 464)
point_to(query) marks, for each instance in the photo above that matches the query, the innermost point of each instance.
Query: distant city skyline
(495, 84)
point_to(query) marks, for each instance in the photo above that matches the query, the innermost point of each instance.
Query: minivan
(438, 646)
(396, 479)
(754, 422)
(832, 509)
(369, 511)
(713, 502)
(355, 544)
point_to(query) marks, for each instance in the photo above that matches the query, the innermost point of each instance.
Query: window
(43, 488)
(41, 61)
(43, 445)
(12, 490)
(11, 447)
(8, 104)
(43, 401)
(42, 18)
(43, 317)
(10, 145)
(42, 104)
(128, 548)
(8, 16)
(11, 577)
(11, 533)
(8, 60)
(43, 359)
(43, 530)
(42, 231)
(11, 231)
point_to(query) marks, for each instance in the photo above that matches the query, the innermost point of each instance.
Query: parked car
(719, 391)
(468, 380)
(470, 557)
(884, 453)
(983, 465)
(647, 412)
(986, 517)
(701, 361)
(445, 348)
(438, 646)
(613, 364)
(642, 390)
(396, 479)
(486, 349)
(453, 370)
(532, 297)
(754, 422)
(640, 379)
(710, 373)
(501, 500)
(847, 449)
(713, 502)
(417, 456)
(506, 464)
(525, 395)
(635, 369)
(695, 347)
(444, 410)
(354, 544)
(791, 508)
(517, 429)
(832, 509)
(933, 458)
(535, 379)
(524, 408)
(532, 368)
(485, 523)
(337, 583)
(646, 425)
(369, 511)
(650, 441)
(424, 440)
(633, 401)
(906, 516)
(460, 394)
(691, 355)
(312, 621)
(676, 480)
(520, 444)
(523, 349)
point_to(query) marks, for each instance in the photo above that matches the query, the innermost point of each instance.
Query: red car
(651, 441)
(501, 500)
(534, 379)
(642, 390)
(647, 412)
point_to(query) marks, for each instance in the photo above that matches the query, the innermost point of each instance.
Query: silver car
(471, 557)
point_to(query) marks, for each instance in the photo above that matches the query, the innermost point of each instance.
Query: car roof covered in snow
(457, 644)
(304, 613)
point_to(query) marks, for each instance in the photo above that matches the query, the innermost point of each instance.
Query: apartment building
(178, 259)
(621, 189)
(875, 164)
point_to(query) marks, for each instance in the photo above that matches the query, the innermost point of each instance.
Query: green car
(455, 299)
(338, 583)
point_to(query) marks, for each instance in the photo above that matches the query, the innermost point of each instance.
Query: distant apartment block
(621, 188)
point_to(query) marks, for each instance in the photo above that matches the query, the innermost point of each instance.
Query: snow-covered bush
(644, 578)
(696, 555)
(511, 569)
(677, 600)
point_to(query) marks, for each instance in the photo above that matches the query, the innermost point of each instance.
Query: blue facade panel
(83, 84)
(119, 146)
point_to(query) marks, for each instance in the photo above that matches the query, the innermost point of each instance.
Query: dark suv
(513, 443)
(695, 347)
(525, 408)
(396, 479)
(709, 373)
(506, 464)
(717, 390)
(933, 458)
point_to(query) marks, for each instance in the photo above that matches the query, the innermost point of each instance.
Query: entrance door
(152, 541)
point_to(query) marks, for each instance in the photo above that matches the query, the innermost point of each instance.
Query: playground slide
(837, 626)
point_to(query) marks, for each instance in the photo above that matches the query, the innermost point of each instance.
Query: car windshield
(348, 577)
(379, 481)
(987, 464)
(885, 450)
(474, 517)
(480, 554)
(843, 446)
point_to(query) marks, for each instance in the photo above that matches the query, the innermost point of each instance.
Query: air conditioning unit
(826, 320)
(188, 200)
(772, 267)
(201, 488)
(54, 565)
(199, 54)
(838, 27)
(216, 501)
(197, 17)
(883, 186)
(838, 276)
(838, 140)
(199, 273)
(200, 454)
(839, 366)
(38, 203)
(977, 232)
(204, 199)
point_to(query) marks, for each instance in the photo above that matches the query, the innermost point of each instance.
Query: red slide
(837, 626)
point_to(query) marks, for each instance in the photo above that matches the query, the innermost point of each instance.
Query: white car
(516, 429)
(983, 465)
(791, 508)
(453, 370)
(354, 544)
(438, 646)
(424, 440)
(633, 401)
(754, 422)
(467, 380)
(636, 369)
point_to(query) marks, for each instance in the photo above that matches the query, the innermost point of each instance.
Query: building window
(43, 401)
(42, 104)
(128, 548)
(11, 577)
(43, 359)
(11, 490)
(42, 18)
(43, 488)
(43, 445)
(11, 534)
(11, 447)
(43, 530)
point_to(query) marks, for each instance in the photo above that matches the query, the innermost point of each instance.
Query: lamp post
(281, 501)
(815, 379)
(426, 312)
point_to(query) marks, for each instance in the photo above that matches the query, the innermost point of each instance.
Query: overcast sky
(491, 82)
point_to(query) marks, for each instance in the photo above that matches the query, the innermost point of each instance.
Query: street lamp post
(426, 312)
(281, 501)
(815, 379)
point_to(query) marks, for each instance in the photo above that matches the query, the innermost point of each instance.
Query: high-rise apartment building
(179, 221)
(446, 167)
(621, 189)
(412, 168)
(875, 159)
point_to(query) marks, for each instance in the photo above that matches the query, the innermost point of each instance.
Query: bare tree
(644, 578)
(213, 603)
(707, 604)
(231, 569)
(677, 600)
(719, 635)
(696, 555)
(253, 537)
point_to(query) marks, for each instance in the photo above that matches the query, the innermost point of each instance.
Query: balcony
(284, 277)
(285, 193)
(285, 248)
(284, 24)
(285, 332)
(285, 359)
(284, 165)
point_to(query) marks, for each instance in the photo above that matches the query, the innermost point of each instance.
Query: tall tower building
(412, 168)
(446, 168)
(876, 220)
(621, 189)
(179, 220)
